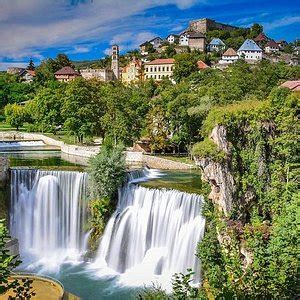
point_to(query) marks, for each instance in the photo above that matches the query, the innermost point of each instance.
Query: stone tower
(115, 61)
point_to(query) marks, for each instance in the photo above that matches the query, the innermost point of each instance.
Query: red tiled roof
(66, 71)
(161, 61)
(293, 85)
(261, 37)
(230, 52)
(202, 65)
(272, 44)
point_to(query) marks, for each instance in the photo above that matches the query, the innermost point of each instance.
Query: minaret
(115, 60)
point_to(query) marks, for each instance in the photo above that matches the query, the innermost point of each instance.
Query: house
(196, 41)
(229, 56)
(271, 47)
(66, 74)
(143, 48)
(261, 39)
(293, 85)
(184, 38)
(156, 42)
(216, 45)
(297, 50)
(202, 65)
(282, 44)
(27, 75)
(250, 51)
(101, 74)
(172, 38)
(159, 69)
(15, 70)
(132, 72)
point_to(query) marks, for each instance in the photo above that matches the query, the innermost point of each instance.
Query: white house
(216, 45)
(172, 38)
(250, 51)
(156, 42)
(159, 69)
(184, 38)
(271, 47)
(229, 57)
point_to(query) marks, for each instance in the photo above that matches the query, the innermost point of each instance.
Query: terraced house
(159, 69)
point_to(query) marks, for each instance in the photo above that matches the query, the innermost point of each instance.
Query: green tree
(16, 115)
(31, 65)
(185, 65)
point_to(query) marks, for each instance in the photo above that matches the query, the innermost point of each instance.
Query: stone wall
(4, 171)
(82, 151)
(205, 25)
(155, 162)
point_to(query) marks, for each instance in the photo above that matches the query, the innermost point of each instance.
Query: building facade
(271, 47)
(156, 42)
(196, 41)
(205, 25)
(66, 74)
(216, 45)
(115, 61)
(229, 56)
(133, 72)
(101, 74)
(159, 69)
(250, 51)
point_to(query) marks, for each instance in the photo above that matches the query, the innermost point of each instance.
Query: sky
(86, 29)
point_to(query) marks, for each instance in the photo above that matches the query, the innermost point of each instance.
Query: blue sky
(85, 29)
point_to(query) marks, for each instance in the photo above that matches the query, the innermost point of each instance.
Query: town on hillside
(219, 45)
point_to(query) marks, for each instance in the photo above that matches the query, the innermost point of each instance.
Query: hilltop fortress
(205, 25)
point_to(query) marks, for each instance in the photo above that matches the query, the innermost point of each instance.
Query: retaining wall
(155, 162)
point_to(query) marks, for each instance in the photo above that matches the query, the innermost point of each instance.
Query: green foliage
(263, 159)
(21, 288)
(208, 149)
(106, 174)
(15, 115)
(155, 292)
(182, 288)
(185, 65)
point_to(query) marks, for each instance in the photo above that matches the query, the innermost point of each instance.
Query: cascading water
(152, 235)
(48, 214)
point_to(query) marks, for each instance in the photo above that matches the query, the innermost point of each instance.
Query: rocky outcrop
(218, 174)
(4, 171)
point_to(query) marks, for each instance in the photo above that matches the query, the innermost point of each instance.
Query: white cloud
(282, 22)
(78, 49)
(33, 25)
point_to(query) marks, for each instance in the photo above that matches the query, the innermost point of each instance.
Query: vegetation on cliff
(252, 253)
(106, 174)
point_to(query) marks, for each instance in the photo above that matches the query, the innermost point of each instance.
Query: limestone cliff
(218, 174)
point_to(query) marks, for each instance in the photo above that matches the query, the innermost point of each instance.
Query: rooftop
(196, 35)
(202, 65)
(249, 45)
(67, 71)
(261, 38)
(161, 61)
(293, 85)
(217, 42)
(272, 44)
(230, 52)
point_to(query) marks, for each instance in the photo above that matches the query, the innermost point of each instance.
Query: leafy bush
(208, 149)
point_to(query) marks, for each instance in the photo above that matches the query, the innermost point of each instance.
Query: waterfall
(152, 235)
(48, 213)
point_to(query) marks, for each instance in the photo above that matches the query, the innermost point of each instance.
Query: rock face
(4, 171)
(218, 175)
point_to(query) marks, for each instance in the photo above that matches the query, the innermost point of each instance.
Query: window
(154, 76)
(158, 69)
(151, 69)
(167, 69)
(155, 69)
(163, 69)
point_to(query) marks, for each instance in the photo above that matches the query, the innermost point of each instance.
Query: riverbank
(132, 157)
